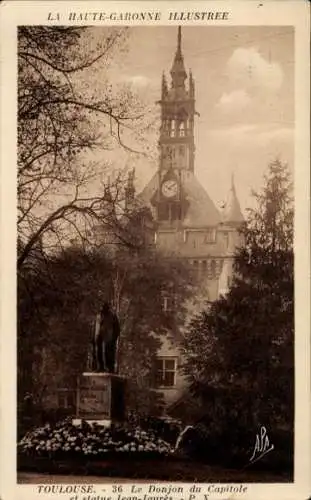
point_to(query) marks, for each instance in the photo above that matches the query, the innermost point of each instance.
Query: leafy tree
(66, 109)
(58, 303)
(243, 345)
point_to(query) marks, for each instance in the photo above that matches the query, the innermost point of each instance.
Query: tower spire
(233, 213)
(176, 142)
(179, 41)
(178, 71)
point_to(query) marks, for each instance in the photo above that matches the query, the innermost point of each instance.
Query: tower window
(204, 266)
(169, 154)
(166, 369)
(182, 130)
(173, 131)
(163, 211)
(182, 150)
(175, 212)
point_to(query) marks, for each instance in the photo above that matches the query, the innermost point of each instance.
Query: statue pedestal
(100, 398)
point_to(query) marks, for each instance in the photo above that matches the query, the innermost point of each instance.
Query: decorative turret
(178, 71)
(227, 271)
(191, 85)
(232, 210)
(108, 204)
(225, 278)
(164, 87)
(130, 190)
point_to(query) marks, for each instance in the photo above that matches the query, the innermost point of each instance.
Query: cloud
(279, 134)
(248, 66)
(249, 135)
(236, 134)
(138, 80)
(233, 101)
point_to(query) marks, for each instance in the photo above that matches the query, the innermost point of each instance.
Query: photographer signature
(262, 445)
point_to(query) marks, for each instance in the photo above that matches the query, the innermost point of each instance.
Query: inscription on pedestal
(94, 398)
(100, 397)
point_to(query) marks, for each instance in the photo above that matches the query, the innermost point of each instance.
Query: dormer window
(210, 236)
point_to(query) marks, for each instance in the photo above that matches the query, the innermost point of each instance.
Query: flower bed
(122, 451)
(65, 440)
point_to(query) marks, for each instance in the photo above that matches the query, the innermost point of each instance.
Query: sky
(244, 79)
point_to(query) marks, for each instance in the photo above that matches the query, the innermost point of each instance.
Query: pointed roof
(232, 211)
(178, 71)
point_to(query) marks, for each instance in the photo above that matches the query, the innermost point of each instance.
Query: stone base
(100, 397)
(104, 423)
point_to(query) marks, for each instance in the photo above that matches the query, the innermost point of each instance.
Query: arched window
(182, 129)
(173, 129)
(204, 266)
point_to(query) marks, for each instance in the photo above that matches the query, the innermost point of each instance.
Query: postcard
(155, 256)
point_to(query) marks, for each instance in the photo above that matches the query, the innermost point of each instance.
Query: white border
(249, 13)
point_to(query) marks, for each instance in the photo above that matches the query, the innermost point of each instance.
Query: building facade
(187, 222)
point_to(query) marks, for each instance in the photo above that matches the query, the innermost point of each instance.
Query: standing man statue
(107, 331)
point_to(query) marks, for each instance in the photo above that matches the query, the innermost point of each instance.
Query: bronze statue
(107, 331)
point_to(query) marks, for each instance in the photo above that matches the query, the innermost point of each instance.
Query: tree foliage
(243, 344)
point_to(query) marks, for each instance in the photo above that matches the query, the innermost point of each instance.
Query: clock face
(169, 188)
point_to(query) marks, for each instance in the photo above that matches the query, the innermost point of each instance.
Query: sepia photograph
(155, 282)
